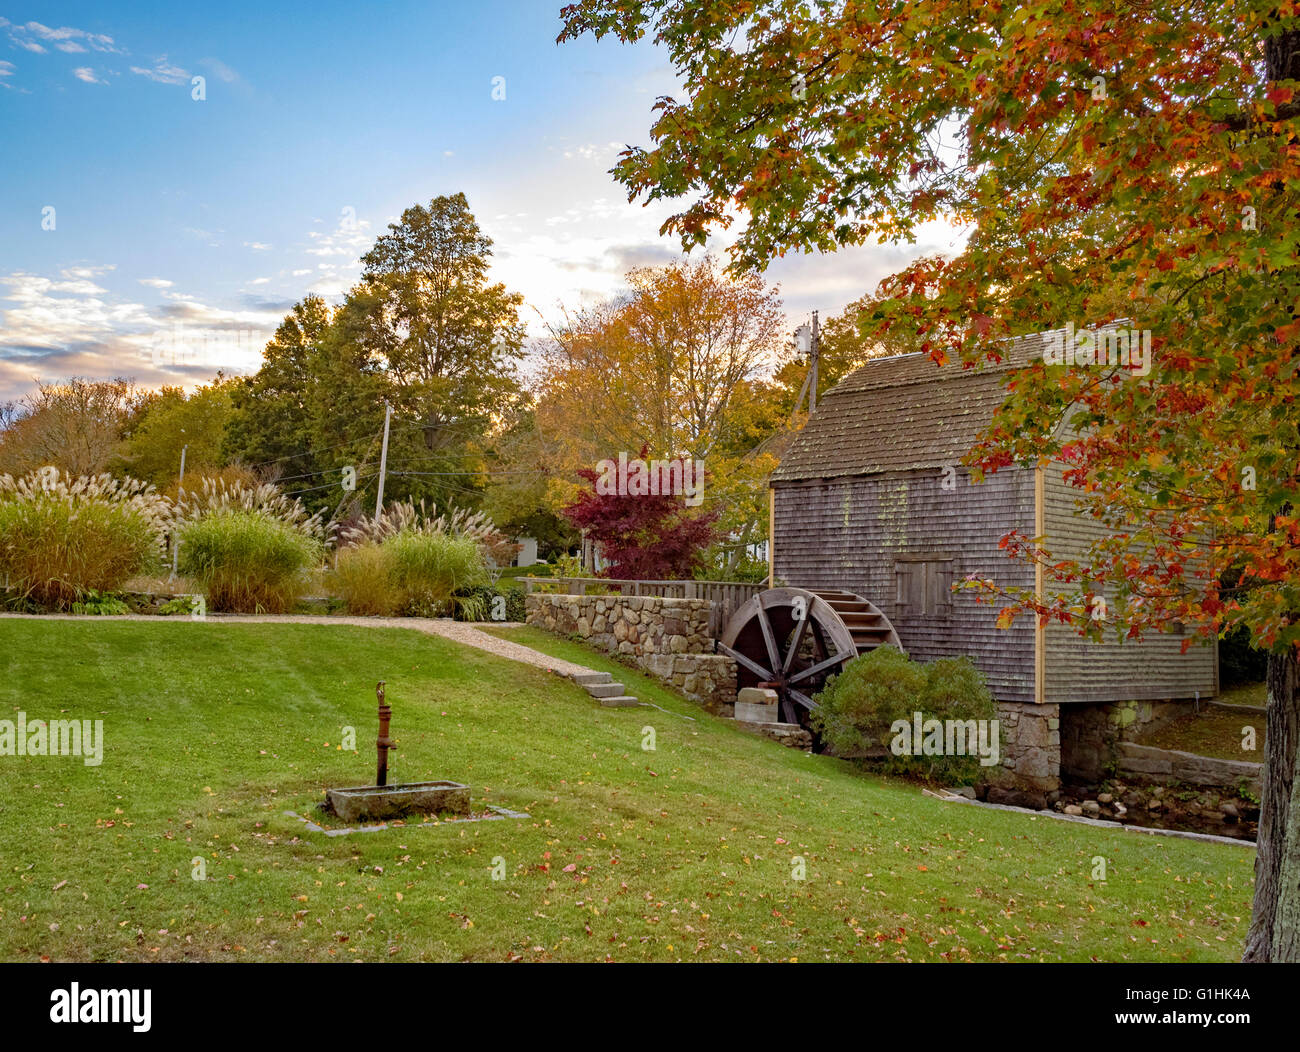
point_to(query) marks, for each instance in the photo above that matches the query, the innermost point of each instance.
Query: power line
(329, 485)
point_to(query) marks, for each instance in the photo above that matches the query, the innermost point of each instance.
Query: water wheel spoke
(764, 674)
(821, 666)
(801, 698)
(796, 644)
(769, 639)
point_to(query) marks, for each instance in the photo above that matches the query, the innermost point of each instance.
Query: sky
(150, 234)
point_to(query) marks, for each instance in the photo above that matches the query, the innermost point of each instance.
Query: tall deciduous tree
(76, 426)
(169, 420)
(314, 406)
(1113, 160)
(449, 337)
(674, 365)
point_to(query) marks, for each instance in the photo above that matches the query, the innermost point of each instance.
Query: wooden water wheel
(792, 640)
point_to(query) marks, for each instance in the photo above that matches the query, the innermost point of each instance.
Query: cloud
(156, 283)
(6, 69)
(604, 152)
(163, 72)
(87, 75)
(90, 270)
(66, 38)
(220, 70)
(199, 234)
(348, 239)
(53, 328)
(257, 246)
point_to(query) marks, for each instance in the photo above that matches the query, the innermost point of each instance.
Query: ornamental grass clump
(405, 561)
(250, 548)
(62, 538)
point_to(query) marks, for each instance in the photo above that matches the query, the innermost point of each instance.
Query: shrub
(484, 602)
(1239, 662)
(416, 573)
(62, 538)
(100, 604)
(247, 561)
(859, 706)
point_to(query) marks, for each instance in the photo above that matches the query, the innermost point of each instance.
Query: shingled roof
(901, 413)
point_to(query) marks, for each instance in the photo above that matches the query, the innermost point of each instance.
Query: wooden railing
(726, 596)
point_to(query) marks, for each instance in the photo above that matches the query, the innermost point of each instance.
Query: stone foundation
(669, 638)
(1030, 747)
(1093, 732)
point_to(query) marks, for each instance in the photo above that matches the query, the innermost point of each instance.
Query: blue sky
(184, 229)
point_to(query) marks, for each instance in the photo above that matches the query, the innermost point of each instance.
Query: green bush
(859, 707)
(247, 561)
(62, 538)
(416, 573)
(488, 601)
(100, 604)
(1239, 662)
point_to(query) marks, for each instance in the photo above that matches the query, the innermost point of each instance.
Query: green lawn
(684, 853)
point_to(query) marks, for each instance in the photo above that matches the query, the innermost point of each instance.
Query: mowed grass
(687, 852)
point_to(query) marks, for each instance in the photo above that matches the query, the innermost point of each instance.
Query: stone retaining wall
(669, 638)
(1092, 733)
(1169, 766)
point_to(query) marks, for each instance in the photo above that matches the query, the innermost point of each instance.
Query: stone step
(604, 690)
(589, 678)
(622, 701)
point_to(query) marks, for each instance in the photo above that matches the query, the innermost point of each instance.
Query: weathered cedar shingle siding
(860, 487)
(849, 533)
(1077, 670)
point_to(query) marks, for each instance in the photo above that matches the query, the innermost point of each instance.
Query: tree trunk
(1275, 923)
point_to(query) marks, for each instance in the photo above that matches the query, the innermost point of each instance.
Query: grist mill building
(865, 501)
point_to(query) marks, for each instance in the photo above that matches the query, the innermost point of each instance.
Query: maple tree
(1111, 161)
(644, 536)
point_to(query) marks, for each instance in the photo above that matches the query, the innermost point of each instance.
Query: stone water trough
(383, 801)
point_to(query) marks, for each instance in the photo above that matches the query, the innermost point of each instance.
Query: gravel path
(457, 631)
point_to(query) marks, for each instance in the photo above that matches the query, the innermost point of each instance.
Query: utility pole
(179, 491)
(814, 351)
(383, 461)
